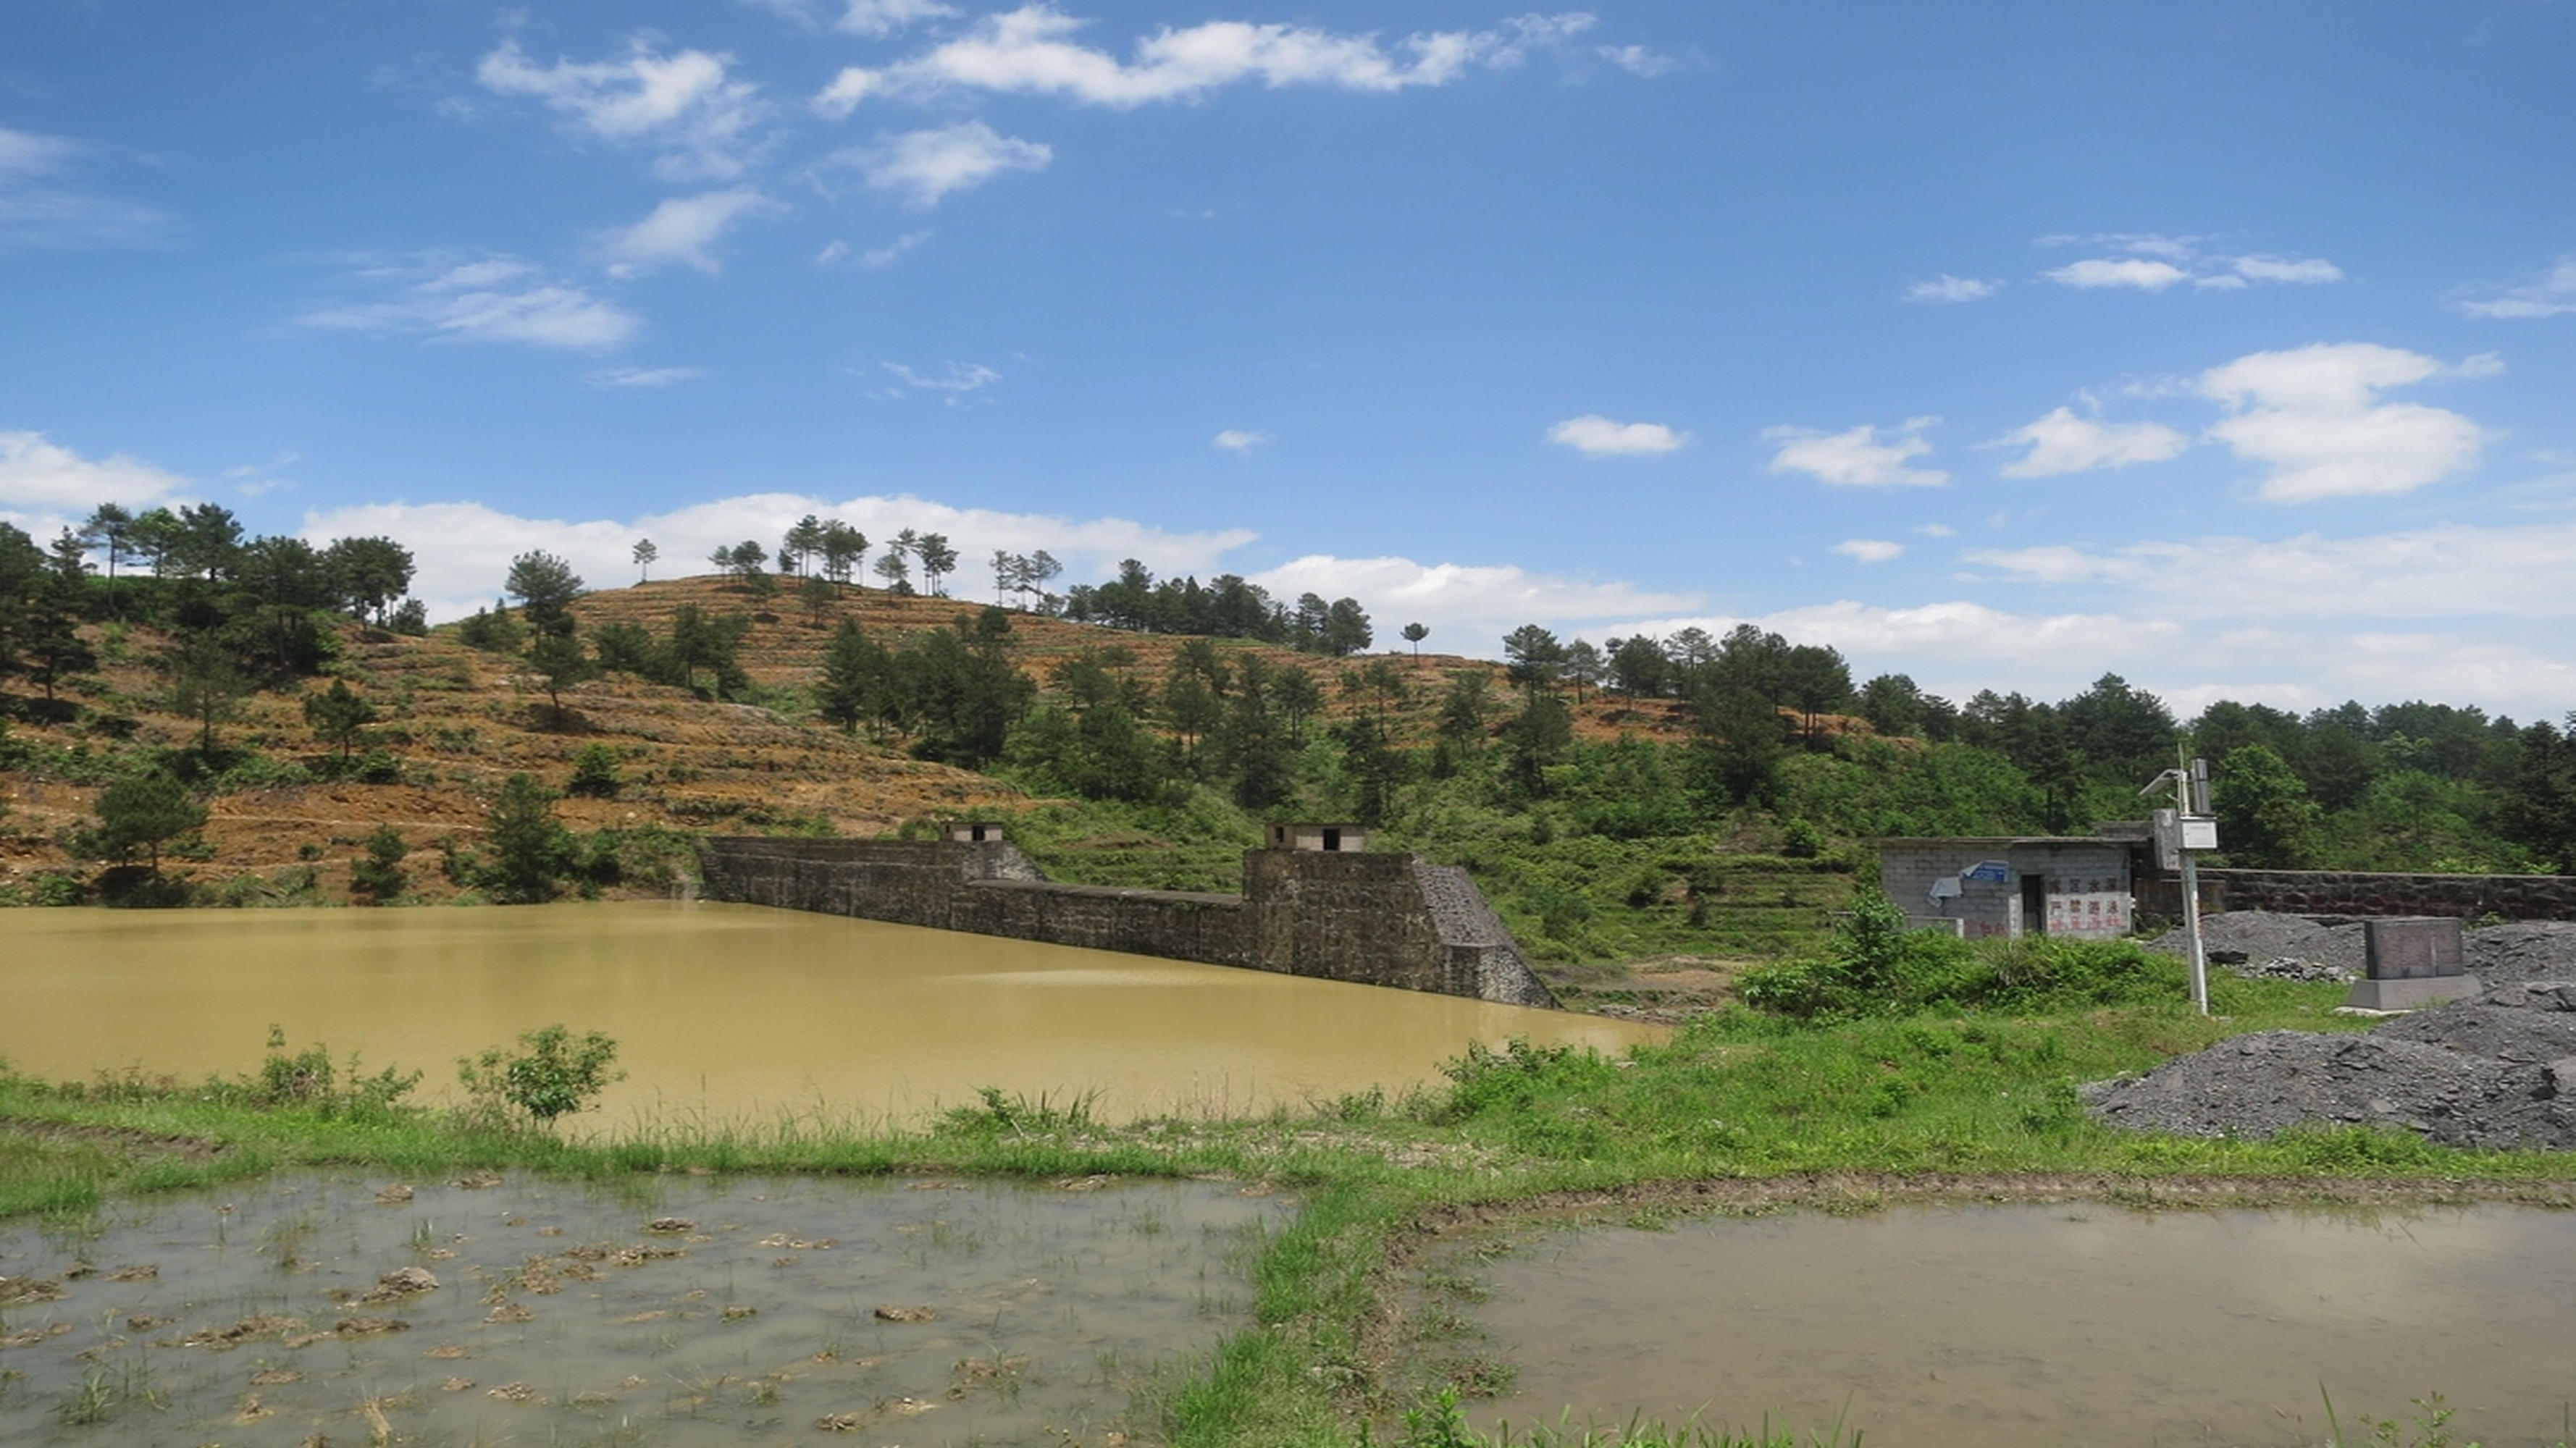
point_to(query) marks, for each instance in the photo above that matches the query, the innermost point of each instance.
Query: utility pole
(2194, 829)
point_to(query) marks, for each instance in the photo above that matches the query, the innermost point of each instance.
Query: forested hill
(1610, 796)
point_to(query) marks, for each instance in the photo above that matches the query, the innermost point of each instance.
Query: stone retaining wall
(2332, 892)
(1372, 919)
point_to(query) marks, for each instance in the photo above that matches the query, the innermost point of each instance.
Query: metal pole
(2191, 923)
(2192, 788)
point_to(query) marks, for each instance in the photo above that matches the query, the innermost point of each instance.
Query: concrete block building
(2073, 885)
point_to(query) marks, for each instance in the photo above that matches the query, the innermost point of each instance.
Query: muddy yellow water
(2051, 1325)
(305, 1309)
(722, 1012)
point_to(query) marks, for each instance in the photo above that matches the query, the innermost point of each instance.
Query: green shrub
(595, 774)
(1875, 966)
(378, 875)
(552, 1075)
(307, 1078)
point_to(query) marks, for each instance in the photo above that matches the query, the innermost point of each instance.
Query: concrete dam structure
(1313, 905)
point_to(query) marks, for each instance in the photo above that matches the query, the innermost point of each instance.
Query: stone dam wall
(1371, 919)
(2331, 892)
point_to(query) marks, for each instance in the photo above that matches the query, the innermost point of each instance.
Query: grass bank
(1739, 1110)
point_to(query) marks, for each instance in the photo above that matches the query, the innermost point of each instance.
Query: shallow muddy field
(1966, 1327)
(305, 1309)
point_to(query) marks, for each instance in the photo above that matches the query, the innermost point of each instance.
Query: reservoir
(2064, 1324)
(725, 1013)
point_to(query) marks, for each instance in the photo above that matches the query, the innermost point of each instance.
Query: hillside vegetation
(1649, 815)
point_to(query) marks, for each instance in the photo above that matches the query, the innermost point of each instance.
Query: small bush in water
(553, 1075)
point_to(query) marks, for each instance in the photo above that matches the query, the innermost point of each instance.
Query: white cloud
(2151, 263)
(45, 486)
(2308, 271)
(885, 17)
(2454, 571)
(648, 378)
(37, 209)
(871, 18)
(2312, 416)
(1947, 288)
(1957, 647)
(1869, 550)
(954, 381)
(2062, 442)
(2552, 296)
(682, 230)
(875, 256)
(683, 103)
(2138, 272)
(1237, 440)
(1469, 608)
(1596, 436)
(494, 299)
(927, 165)
(463, 550)
(852, 85)
(1857, 458)
(1638, 60)
(1030, 50)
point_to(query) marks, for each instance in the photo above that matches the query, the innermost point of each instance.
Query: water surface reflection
(1965, 1327)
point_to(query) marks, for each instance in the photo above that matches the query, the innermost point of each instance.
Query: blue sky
(2224, 346)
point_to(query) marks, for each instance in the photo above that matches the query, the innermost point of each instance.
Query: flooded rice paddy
(724, 1012)
(305, 1309)
(1950, 1327)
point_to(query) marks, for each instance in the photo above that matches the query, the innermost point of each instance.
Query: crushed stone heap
(2267, 945)
(2496, 1070)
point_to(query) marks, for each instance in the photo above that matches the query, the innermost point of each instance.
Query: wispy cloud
(2454, 571)
(1870, 550)
(871, 18)
(2137, 273)
(1469, 607)
(1596, 436)
(927, 165)
(2063, 442)
(2152, 263)
(682, 231)
(647, 378)
(43, 206)
(840, 252)
(683, 105)
(2314, 418)
(1947, 288)
(487, 299)
(1237, 440)
(954, 382)
(1638, 60)
(1857, 457)
(2553, 295)
(1031, 50)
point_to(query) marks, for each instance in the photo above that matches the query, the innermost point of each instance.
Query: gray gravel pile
(2511, 954)
(2265, 945)
(2526, 1024)
(2497, 1070)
